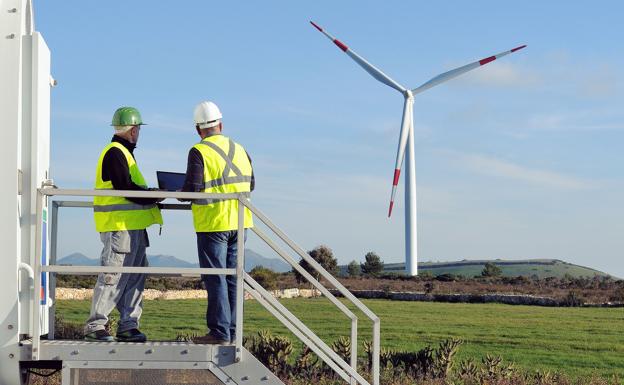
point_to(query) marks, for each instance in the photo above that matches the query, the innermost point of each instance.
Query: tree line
(372, 267)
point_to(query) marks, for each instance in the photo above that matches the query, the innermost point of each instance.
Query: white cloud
(577, 120)
(487, 165)
(600, 82)
(501, 74)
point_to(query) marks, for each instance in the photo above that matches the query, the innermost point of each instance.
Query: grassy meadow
(576, 341)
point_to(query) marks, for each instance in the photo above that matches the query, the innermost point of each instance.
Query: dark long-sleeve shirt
(194, 181)
(115, 169)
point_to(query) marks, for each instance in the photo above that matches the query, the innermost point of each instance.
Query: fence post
(36, 264)
(240, 268)
(53, 220)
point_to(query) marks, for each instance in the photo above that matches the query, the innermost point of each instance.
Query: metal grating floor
(151, 363)
(143, 377)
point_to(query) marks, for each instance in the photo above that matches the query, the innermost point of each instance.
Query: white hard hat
(207, 115)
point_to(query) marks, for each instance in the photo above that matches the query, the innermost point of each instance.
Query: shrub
(342, 346)
(572, 299)
(446, 277)
(618, 295)
(425, 275)
(272, 351)
(373, 265)
(267, 278)
(353, 269)
(325, 257)
(491, 270)
(64, 330)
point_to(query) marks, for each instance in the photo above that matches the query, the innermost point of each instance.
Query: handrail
(347, 371)
(302, 336)
(330, 278)
(321, 288)
(301, 326)
(60, 269)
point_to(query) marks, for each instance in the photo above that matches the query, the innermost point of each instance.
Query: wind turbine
(406, 137)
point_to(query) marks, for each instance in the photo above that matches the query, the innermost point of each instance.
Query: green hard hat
(127, 116)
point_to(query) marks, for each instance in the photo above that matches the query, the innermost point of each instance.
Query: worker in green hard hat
(121, 223)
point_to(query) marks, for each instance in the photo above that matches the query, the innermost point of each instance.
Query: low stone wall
(510, 299)
(150, 294)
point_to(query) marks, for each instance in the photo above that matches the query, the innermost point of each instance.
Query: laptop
(170, 181)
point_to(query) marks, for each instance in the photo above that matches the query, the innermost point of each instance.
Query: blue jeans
(218, 250)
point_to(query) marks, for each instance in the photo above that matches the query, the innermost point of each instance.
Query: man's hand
(182, 199)
(158, 200)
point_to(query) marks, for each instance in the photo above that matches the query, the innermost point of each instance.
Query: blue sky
(519, 159)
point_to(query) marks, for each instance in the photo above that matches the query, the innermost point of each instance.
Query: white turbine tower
(406, 138)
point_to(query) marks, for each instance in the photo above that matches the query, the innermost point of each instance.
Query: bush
(572, 299)
(267, 278)
(272, 351)
(446, 277)
(491, 270)
(618, 295)
(427, 366)
(373, 265)
(353, 269)
(325, 257)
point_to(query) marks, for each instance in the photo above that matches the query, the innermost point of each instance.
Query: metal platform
(158, 360)
(169, 362)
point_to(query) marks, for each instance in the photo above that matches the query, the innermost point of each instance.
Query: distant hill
(168, 261)
(469, 268)
(78, 259)
(252, 259)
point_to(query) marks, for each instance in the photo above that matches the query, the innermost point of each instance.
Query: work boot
(209, 340)
(99, 336)
(132, 335)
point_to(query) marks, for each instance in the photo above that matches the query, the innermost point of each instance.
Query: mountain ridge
(252, 259)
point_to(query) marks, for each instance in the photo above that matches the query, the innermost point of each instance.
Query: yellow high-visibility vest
(226, 170)
(118, 213)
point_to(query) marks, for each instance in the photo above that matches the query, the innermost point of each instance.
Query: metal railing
(346, 370)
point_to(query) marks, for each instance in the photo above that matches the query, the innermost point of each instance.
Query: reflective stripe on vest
(121, 207)
(215, 200)
(223, 173)
(119, 213)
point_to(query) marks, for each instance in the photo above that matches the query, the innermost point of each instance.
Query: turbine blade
(461, 70)
(368, 67)
(405, 126)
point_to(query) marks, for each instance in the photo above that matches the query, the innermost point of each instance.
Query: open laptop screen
(170, 181)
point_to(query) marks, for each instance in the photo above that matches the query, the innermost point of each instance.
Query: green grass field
(576, 341)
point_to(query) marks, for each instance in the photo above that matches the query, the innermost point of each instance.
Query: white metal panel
(11, 31)
(40, 155)
(24, 160)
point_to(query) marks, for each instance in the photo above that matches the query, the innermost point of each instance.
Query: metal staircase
(162, 362)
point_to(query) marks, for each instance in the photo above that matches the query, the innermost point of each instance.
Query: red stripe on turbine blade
(316, 26)
(341, 45)
(518, 48)
(390, 209)
(395, 181)
(487, 60)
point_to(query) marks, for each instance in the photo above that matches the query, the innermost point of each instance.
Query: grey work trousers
(124, 291)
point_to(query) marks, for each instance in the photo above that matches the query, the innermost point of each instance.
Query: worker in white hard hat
(217, 164)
